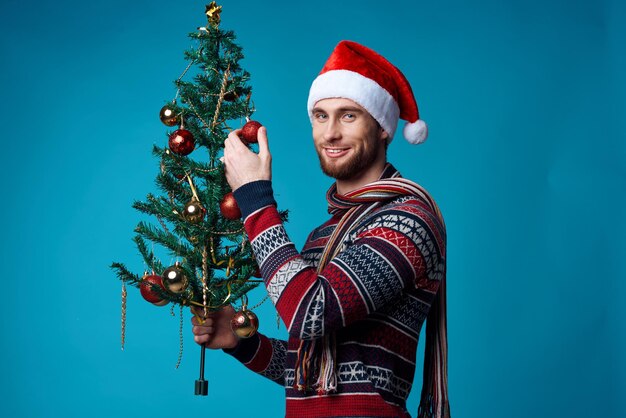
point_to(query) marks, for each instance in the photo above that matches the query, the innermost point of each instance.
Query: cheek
(317, 133)
(371, 142)
(316, 140)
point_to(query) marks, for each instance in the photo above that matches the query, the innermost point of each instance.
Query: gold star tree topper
(213, 14)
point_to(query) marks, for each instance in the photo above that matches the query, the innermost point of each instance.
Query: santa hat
(355, 72)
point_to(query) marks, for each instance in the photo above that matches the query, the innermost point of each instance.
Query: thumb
(264, 148)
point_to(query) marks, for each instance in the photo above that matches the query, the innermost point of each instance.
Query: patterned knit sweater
(374, 295)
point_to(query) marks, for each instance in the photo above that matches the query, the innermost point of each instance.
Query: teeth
(334, 151)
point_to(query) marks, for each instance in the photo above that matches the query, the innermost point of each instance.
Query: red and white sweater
(374, 295)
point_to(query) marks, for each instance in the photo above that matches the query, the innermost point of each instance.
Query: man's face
(348, 140)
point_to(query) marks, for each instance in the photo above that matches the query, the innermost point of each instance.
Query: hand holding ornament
(241, 165)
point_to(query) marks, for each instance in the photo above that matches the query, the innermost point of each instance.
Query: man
(355, 299)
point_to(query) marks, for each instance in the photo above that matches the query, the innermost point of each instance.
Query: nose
(332, 130)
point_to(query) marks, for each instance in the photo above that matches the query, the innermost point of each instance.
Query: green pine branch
(149, 258)
(165, 239)
(125, 275)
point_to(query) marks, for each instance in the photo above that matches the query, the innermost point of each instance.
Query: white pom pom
(415, 132)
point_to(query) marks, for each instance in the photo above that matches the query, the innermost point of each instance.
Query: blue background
(526, 157)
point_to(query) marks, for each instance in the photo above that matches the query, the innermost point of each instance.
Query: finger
(229, 150)
(199, 311)
(202, 339)
(198, 330)
(200, 319)
(234, 133)
(227, 153)
(206, 322)
(233, 137)
(264, 148)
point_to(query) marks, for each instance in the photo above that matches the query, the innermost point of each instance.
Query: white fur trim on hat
(415, 132)
(362, 90)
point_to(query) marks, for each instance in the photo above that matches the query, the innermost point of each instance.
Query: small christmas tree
(198, 218)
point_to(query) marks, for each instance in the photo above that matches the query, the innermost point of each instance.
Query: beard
(356, 163)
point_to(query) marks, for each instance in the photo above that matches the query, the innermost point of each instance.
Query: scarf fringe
(327, 381)
(316, 359)
(434, 398)
(303, 364)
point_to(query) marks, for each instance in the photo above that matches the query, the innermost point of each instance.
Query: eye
(321, 117)
(349, 116)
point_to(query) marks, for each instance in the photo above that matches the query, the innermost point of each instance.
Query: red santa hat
(355, 72)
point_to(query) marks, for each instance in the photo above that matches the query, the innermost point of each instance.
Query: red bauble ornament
(147, 291)
(249, 131)
(182, 142)
(257, 272)
(229, 208)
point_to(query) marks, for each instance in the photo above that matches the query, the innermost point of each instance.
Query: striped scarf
(317, 357)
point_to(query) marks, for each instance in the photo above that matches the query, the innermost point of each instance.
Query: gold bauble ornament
(175, 279)
(168, 116)
(244, 323)
(194, 212)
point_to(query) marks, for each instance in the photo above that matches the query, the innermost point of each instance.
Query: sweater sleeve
(263, 355)
(400, 246)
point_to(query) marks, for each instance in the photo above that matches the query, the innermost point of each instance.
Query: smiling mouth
(336, 152)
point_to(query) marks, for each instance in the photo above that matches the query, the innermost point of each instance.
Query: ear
(382, 134)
